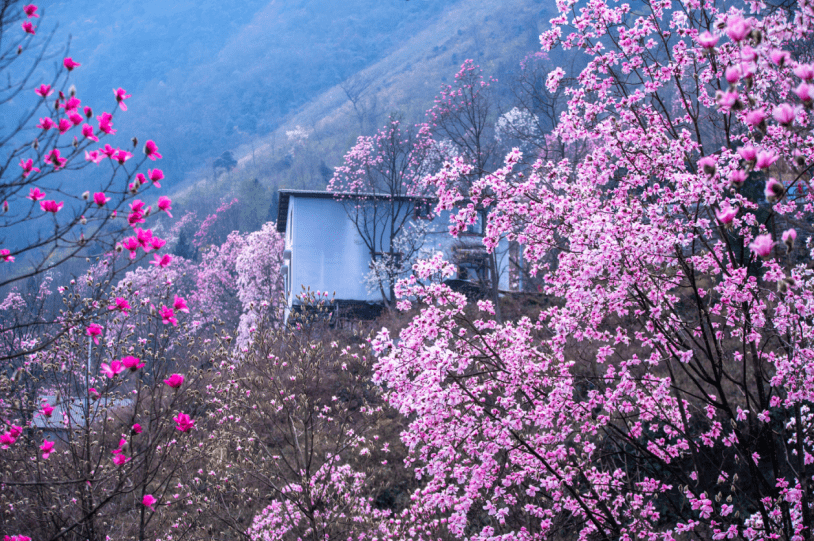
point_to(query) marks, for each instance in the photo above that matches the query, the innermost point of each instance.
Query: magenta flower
(804, 71)
(163, 262)
(805, 92)
(133, 363)
(707, 40)
(708, 164)
(151, 150)
(72, 104)
(47, 448)
(106, 123)
(47, 410)
(121, 305)
(774, 190)
(131, 245)
(28, 167)
(149, 501)
(44, 91)
(748, 153)
(64, 125)
(144, 236)
(737, 178)
(108, 151)
(94, 156)
(155, 175)
(726, 214)
(121, 95)
(87, 131)
(180, 304)
(54, 158)
(35, 194)
(88, 112)
(738, 28)
(121, 156)
(788, 237)
(6, 256)
(100, 198)
(165, 204)
(732, 74)
(727, 101)
(765, 159)
(51, 206)
(762, 245)
(120, 460)
(779, 57)
(168, 316)
(115, 367)
(754, 118)
(31, 11)
(157, 243)
(70, 64)
(183, 422)
(29, 28)
(75, 118)
(94, 394)
(784, 114)
(46, 123)
(137, 429)
(141, 180)
(94, 331)
(175, 381)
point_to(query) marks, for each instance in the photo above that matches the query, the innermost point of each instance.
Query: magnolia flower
(133, 363)
(47, 448)
(737, 29)
(47, 410)
(29, 28)
(707, 40)
(141, 180)
(51, 206)
(31, 11)
(779, 57)
(6, 256)
(35, 194)
(175, 381)
(183, 422)
(732, 74)
(64, 125)
(55, 159)
(755, 118)
(121, 305)
(121, 95)
(788, 237)
(804, 71)
(149, 501)
(113, 369)
(70, 64)
(774, 190)
(46, 123)
(75, 118)
(155, 175)
(709, 165)
(762, 245)
(168, 316)
(805, 92)
(94, 330)
(106, 123)
(784, 114)
(72, 104)
(100, 198)
(94, 156)
(726, 213)
(180, 304)
(765, 159)
(136, 428)
(131, 244)
(165, 204)
(87, 132)
(151, 150)
(119, 459)
(43, 91)
(157, 244)
(122, 156)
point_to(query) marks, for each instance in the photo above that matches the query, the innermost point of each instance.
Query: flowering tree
(379, 186)
(666, 392)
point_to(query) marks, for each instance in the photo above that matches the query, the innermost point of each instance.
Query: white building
(325, 252)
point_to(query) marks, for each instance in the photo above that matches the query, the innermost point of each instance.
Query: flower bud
(36, 144)
(757, 37)
(86, 195)
(19, 49)
(135, 141)
(83, 220)
(119, 248)
(72, 91)
(5, 206)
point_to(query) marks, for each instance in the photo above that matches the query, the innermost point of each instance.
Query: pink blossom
(765, 159)
(7, 439)
(180, 304)
(44, 90)
(94, 394)
(726, 214)
(140, 179)
(47, 448)
(46, 123)
(100, 198)
(121, 95)
(16, 538)
(754, 118)
(155, 175)
(88, 112)
(162, 261)
(175, 381)
(183, 422)
(108, 151)
(157, 243)
(120, 459)
(732, 74)
(5, 255)
(122, 156)
(29, 28)
(737, 28)
(75, 118)
(773, 191)
(748, 153)
(784, 114)
(133, 363)
(148, 501)
(136, 429)
(115, 367)
(737, 178)
(168, 316)
(55, 159)
(31, 11)
(805, 92)
(707, 40)
(144, 237)
(35, 194)
(106, 123)
(788, 237)
(47, 410)
(51, 206)
(151, 150)
(94, 156)
(121, 305)
(64, 125)
(132, 245)
(165, 204)
(87, 131)
(728, 100)
(72, 104)
(95, 331)
(762, 245)
(70, 64)
(804, 71)
(708, 164)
